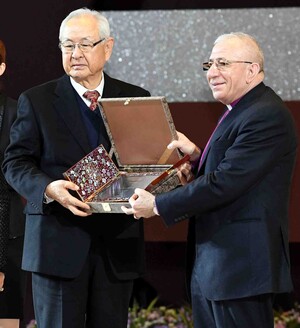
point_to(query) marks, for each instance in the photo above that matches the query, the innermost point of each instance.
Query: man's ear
(252, 72)
(108, 47)
(2, 68)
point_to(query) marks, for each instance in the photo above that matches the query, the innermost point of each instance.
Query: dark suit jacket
(12, 219)
(48, 138)
(240, 200)
(17, 218)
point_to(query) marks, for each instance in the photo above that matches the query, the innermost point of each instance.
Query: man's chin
(77, 76)
(218, 95)
(78, 70)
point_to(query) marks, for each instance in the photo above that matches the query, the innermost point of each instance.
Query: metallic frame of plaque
(139, 130)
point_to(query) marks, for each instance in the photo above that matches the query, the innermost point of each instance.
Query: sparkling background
(162, 50)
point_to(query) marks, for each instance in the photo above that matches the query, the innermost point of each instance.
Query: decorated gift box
(139, 130)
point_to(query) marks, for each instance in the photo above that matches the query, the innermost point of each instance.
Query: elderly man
(238, 200)
(82, 265)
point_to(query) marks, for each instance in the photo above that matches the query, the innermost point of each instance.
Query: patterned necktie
(208, 142)
(92, 96)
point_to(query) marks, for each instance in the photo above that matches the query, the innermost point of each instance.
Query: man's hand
(2, 277)
(142, 204)
(185, 146)
(59, 191)
(185, 173)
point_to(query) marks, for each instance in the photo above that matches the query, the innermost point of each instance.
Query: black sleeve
(4, 221)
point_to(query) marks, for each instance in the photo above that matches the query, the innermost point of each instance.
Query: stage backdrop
(160, 44)
(162, 49)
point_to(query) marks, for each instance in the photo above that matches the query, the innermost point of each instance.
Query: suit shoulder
(127, 89)
(275, 105)
(48, 86)
(264, 101)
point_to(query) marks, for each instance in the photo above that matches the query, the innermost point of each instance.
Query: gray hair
(103, 25)
(258, 54)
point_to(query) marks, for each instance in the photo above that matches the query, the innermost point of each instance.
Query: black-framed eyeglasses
(222, 63)
(68, 47)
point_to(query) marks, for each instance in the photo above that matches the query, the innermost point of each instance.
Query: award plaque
(139, 130)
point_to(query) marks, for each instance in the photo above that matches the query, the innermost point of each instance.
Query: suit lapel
(216, 135)
(241, 106)
(111, 89)
(67, 107)
(219, 131)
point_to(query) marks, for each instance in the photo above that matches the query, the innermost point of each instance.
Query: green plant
(159, 317)
(287, 319)
(166, 317)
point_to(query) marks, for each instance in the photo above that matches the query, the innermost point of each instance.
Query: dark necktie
(92, 96)
(208, 142)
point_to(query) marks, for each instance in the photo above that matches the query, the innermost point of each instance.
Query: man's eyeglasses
(68, 47)
(222, 63)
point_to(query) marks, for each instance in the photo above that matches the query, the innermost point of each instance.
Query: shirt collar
(80, 89)
(231, 105)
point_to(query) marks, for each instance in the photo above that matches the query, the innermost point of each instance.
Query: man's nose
(213, 70)
(77, 52)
